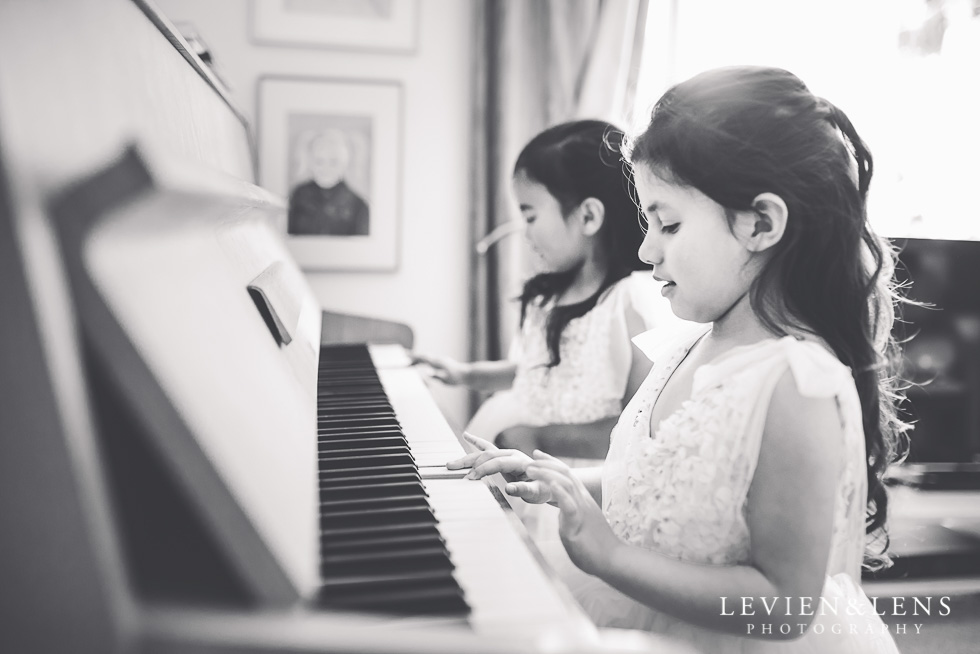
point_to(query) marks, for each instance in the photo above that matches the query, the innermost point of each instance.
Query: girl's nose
(650, 251)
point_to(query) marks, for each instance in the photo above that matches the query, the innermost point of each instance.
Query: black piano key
(354, 375)
(341, 533)
(379, 563)
(352, 386)
(356, 420)
(358, 452)
(354, 429)
(373, 459)
(380, 547)
(369, 511)
(338, 519)
(335, 494)
(411, 594)
(425, 550)
(334, 444)
(328, 404)
(446, 599)
(328, 484)
(368, 437)
(372, 510)
(361, 491)
(340, 538)
(377, 409)
(325, 415)
(363, 472)
(366, 583)
(350, 410)
(328, 398)
(332, 432)
(385, 542)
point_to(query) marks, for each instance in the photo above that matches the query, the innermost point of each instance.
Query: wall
(429, 289)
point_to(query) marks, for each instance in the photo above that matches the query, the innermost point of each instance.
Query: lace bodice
(682, 491)
(590, 381)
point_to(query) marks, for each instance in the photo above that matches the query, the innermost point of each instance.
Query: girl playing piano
(572, 366)
(743, 480)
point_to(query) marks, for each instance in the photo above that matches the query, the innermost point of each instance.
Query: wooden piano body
(158, 425)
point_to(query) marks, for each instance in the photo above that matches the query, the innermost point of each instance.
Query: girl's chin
(542, 266)
(684, 312)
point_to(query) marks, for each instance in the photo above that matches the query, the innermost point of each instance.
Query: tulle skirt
(855, 629)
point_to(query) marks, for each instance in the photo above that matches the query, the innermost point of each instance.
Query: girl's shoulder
(817, 372)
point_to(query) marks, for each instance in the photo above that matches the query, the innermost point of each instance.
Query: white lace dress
(589, 382)
(587, 385)
(682, 491)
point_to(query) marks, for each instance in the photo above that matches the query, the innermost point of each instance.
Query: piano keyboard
(380, 546)
(501, 588)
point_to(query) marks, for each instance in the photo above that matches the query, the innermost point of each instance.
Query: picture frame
(332, 149)
(375, 25)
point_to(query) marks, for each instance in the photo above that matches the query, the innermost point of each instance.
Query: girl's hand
(445, 369)
(488, 459)
(584, 531)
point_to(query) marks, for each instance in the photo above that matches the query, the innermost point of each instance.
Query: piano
(184, 465)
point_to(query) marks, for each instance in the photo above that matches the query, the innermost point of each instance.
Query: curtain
(536, 63)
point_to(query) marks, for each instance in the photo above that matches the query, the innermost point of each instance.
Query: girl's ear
(762, 226)
(592, 213)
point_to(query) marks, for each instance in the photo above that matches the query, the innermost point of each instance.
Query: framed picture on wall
(332, 148)
(390, 25)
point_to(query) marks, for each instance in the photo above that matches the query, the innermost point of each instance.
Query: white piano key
(497, 566)
(389, 356)
(511, 595)
(432, 440)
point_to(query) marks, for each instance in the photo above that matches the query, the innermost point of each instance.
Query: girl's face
(557, 243)
(692, 248)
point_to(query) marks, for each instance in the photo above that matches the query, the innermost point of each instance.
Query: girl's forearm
(588, 440)
(734, 599)
(490, 375)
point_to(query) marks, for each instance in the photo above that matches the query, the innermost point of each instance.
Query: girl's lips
(667, 288)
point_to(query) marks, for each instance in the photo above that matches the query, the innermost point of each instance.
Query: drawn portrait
(329, 180)
(331, 149)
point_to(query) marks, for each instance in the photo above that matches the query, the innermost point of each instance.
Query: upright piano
(184, 465)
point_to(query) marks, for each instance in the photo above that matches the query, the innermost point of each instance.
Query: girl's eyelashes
(529, 219)
(670, 229)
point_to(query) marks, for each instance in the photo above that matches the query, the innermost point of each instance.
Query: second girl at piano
(572, 367)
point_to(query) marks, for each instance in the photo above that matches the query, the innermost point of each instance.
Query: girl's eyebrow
(652, 212)
(526, 207)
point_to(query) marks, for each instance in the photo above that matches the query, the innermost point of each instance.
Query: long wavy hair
(574, 161)
(733, 133)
